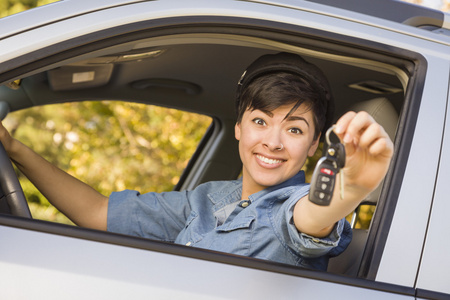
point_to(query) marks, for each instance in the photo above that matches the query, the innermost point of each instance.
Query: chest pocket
(236, 224)
(235, 236)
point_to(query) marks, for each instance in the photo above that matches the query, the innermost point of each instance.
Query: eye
(295, 130)
(259, 121)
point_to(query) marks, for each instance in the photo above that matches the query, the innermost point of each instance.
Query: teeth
(269, 160)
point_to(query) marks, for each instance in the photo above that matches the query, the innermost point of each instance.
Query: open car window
(110, 145)
(159, 71)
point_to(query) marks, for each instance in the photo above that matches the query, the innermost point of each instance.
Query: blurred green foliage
(109, 145)
(9, 7)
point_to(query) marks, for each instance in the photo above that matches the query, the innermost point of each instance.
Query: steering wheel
(12, 190)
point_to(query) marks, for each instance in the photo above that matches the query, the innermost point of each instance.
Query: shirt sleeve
(309, 246)
(159, 216)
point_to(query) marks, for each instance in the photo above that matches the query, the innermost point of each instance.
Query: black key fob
(323, 180)
(324, 176)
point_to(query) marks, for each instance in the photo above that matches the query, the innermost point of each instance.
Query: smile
(270, 161)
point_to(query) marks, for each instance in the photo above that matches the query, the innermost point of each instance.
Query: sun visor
(79, 77)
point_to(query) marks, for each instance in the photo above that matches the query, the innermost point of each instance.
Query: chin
(269, 182)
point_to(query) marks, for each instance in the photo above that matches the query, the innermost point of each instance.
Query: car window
(110, 145)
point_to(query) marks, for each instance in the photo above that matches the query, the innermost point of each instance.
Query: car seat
(349, 261)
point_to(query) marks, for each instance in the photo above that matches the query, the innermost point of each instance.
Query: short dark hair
(274, 80)
(268, 92)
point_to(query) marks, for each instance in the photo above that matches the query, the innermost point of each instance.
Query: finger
(373, 132)
(343, 122)
(357, 126)
(2, 130)
(341, 128)
(349, 149)
(376, 140)
(382, 147)
(4, 136)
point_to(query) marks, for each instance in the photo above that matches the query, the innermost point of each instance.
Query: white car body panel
(80, 269)
(91, 264)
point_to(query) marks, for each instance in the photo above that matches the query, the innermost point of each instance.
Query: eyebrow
(296, 118)
(288, 117)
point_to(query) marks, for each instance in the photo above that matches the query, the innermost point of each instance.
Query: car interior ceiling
(189, 76)
(197, 77)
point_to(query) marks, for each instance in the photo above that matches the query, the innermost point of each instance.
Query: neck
(249, 189)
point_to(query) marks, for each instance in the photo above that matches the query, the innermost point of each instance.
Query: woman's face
(274, 148)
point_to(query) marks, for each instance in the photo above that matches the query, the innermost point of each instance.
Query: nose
(272, 141)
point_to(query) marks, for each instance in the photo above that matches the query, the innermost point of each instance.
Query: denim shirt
(212, 216)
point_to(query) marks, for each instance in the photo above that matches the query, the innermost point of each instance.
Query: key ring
(331, 151)
(327, 134)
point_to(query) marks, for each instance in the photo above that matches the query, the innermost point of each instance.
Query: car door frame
(21, 65)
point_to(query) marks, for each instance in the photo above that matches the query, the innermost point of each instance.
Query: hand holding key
(368, 151)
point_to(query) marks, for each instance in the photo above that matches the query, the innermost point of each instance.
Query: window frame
(290, 34)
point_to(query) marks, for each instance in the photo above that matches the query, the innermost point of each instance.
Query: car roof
(399, 12)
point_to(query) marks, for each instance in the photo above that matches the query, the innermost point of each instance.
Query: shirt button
(244, 203)
(188, 243)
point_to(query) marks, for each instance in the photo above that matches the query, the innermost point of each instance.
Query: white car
(387, 57)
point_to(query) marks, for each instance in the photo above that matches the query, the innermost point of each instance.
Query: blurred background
(436, 4)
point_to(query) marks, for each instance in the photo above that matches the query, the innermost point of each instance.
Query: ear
(237, 131)
(312, 149)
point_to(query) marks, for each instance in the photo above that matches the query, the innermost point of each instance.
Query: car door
(72, 262)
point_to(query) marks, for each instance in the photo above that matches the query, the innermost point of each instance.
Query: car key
(324, 176)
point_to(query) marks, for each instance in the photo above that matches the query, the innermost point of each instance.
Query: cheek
(299, 152)
(245, 142)
(248, 137)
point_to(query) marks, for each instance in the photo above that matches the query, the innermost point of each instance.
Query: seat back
(349, 261)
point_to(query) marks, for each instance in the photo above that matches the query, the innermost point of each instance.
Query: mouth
(270, 161)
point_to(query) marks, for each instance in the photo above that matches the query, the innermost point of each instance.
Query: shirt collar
(285, 187)
(232, 191)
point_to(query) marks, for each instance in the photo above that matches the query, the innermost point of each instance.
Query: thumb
(5, 137)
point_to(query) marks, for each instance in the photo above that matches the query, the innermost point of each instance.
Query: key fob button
(324, 179)
(320, 195)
